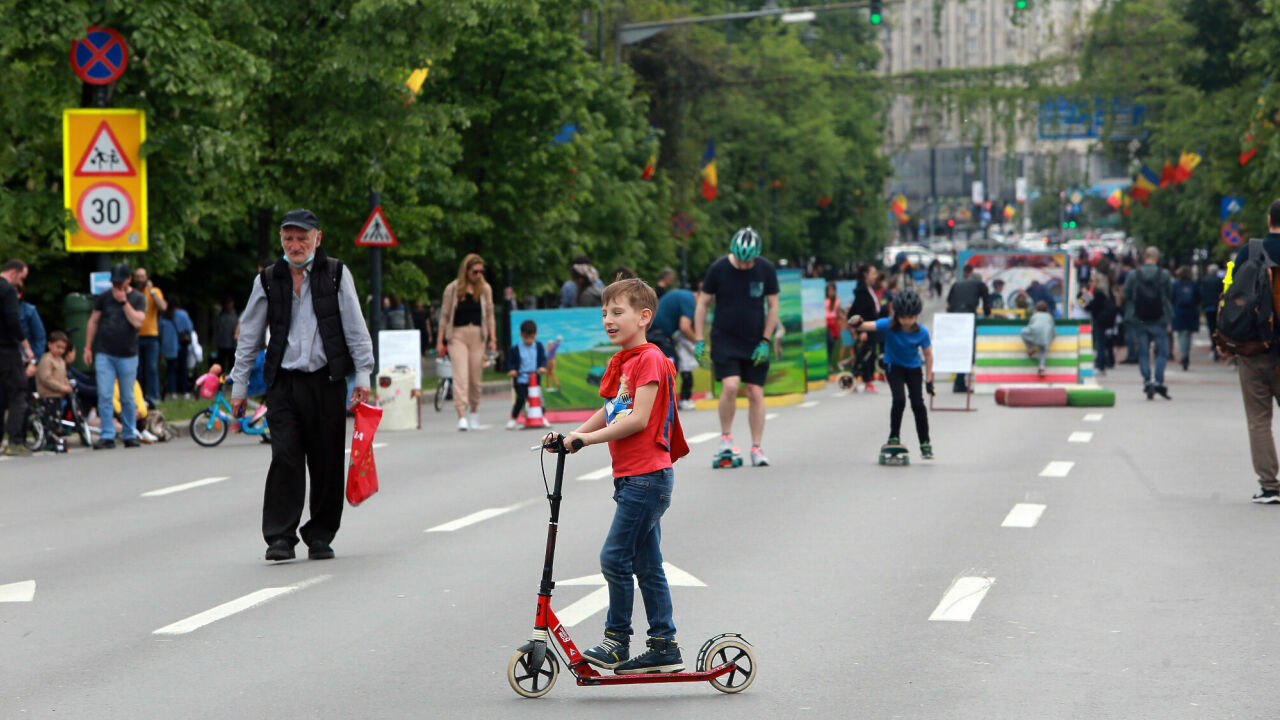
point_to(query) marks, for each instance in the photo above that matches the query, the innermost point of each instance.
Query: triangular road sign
(376, 231)
(104, 157)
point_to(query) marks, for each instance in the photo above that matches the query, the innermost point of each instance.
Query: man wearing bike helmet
(744, 288)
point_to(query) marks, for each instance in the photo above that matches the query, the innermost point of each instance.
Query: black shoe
(611, 652)
(131, 442)
(1267, 497)
(1163, 392)
(280, 550)
(663, 656)
(1186, 364)
(1150, 390)
(104, 445)
(319, 551)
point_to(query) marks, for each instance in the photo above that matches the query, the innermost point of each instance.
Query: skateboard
(891, 454)
(726, 459)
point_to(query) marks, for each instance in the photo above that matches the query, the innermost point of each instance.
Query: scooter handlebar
(556, 444)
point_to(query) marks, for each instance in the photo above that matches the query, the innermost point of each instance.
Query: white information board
(952, 340)
(400, 347)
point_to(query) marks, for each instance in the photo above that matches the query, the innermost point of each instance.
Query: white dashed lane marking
(770, 416)
(1057, 468)
(702, 437)
(24, 591)
(1093, 417)
(600, 474)
(184, 486)
(478, 516)
(240, 604)
(1023, 515)
(1080, 437)
(809, 404)
(962, 599)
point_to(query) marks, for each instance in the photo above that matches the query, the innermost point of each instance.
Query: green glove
(699, 349)
(761, 353)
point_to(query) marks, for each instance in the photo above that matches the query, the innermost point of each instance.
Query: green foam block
(1100, 397)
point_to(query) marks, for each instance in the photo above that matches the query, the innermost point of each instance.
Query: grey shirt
(303, 350)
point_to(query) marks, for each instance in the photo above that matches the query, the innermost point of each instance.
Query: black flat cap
(304, 219)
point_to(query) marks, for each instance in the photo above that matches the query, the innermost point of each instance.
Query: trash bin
(398, 399)
(76, 309)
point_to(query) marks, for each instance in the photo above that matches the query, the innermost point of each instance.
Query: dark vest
(326, 277)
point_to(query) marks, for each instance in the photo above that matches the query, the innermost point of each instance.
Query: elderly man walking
(318, 338)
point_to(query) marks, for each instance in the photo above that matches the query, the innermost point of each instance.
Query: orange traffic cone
(533, 411)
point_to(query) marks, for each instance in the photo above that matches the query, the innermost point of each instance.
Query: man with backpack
(1148, 295)
(1246, 329)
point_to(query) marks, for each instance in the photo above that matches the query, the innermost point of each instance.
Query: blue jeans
(1145, 334)
(149, 366)
(108, 369)
(632, 548)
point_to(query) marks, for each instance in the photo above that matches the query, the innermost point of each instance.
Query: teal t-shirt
(902, 348)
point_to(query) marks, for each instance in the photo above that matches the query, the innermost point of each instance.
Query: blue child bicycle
(209, 426)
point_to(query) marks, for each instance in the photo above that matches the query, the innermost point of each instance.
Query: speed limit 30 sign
(106, 179)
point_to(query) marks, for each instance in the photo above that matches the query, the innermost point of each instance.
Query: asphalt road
(1145, 589)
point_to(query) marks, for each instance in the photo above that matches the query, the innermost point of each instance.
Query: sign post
(375, 235)
(952, 337)
(105, 179)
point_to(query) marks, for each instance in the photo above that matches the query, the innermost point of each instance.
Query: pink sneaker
(871, 388)
(262, 410)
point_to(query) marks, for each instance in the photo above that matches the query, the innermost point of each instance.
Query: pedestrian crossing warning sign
(104, 157)
(376, 231)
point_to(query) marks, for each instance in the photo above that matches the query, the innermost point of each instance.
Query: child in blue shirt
(523, 360)
(905, 341)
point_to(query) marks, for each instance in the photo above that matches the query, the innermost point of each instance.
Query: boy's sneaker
(611, 652)
(663, 656)
(1267, 497)
(512, 424)
(726, 442)
(926, 451)
(757, 457)
(688, 405)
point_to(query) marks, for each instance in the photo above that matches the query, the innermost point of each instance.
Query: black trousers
(686, 385)
(903, 380)
(308, 417)
(522, 394)
(13, 379)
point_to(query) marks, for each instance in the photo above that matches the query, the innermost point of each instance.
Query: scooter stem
(552, 525)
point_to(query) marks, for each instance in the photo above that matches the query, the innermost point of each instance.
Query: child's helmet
(907, 302)
(745, 245)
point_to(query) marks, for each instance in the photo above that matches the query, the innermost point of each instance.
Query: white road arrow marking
(240, 604)
(962, 599)
(184, 486)
(599, 599)
(24, 591)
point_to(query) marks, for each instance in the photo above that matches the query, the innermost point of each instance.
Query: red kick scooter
(725, 661)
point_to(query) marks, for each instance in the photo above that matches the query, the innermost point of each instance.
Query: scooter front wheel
(731, 651)
(529, 681)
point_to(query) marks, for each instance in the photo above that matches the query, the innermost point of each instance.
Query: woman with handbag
(467, 325)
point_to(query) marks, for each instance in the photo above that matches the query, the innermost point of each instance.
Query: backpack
(1246, 317)
(1148, 305)
(1185, 295)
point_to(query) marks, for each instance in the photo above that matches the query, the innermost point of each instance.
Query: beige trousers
(1260, 386)
(466, 353)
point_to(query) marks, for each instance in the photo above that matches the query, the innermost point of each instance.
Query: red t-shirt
(638, 453)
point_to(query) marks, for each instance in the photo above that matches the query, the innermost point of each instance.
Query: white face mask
(302, 264)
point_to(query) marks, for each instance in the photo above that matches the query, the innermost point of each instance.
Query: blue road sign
(100, 57)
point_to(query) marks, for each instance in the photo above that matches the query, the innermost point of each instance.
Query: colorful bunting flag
(1144, 183)
(417, 77)
(1186, 165)
(1166, 175)
(1009, 212)
(710, 184)
(1115, 199)
(650, 167)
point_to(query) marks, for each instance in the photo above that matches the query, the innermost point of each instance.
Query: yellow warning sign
(105, 179)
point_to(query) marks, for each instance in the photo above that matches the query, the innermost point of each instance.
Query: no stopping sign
(105, 211)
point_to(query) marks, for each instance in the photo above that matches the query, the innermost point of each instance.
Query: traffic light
(1020, 5)
(877, 11)
(951, 227)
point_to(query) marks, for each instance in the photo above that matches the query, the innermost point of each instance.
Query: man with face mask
(318, 338)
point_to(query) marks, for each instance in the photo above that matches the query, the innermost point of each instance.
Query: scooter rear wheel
(731, 651)
(529, 682)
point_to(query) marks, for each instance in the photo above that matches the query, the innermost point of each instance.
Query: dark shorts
(742, 367)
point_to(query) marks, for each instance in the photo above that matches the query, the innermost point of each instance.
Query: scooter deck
(686, 676)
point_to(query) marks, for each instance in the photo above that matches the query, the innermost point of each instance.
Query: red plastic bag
(362, 475)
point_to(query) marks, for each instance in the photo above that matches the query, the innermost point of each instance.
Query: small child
(905, 341)
(208, 383)
(1039, 333)
(523, 359)
(51, 379)
(640, 422)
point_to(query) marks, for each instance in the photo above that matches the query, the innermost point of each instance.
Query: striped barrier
(1000, 357)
